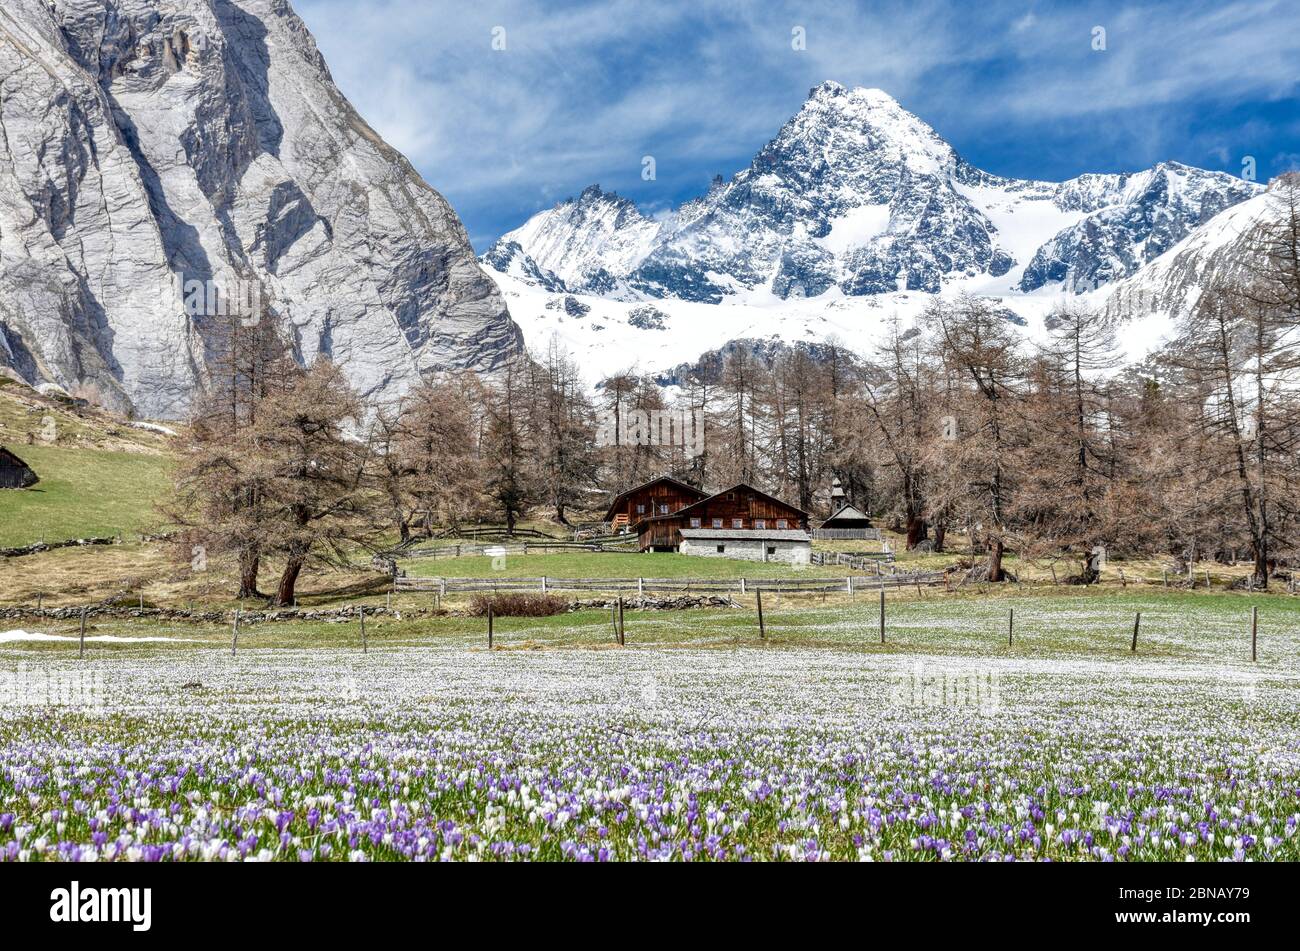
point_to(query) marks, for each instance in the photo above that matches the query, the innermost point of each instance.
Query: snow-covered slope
(1218, 252)
(584, 241)
(857, 194)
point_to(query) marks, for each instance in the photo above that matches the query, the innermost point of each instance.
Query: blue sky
(583, 90)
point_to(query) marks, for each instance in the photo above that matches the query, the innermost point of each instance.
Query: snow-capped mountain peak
(858, 195)
(837, 124)
(582, 241)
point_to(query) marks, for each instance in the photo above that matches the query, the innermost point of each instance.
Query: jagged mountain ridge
(150, 141)
(857, 194)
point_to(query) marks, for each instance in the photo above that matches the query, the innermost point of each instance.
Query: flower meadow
(450, 752)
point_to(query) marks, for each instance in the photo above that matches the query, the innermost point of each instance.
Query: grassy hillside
(99, 476)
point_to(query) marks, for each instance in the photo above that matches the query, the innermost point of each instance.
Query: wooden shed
(658, 497)
(847, 521)
(14, 473)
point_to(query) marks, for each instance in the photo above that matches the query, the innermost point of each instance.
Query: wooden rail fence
(862, 534)
(476, 549)
(848, 584)
(857, 561)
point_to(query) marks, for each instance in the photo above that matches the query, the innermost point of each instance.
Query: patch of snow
(11, 637)
(154, 428)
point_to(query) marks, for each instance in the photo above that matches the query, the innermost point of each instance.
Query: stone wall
(789, 552)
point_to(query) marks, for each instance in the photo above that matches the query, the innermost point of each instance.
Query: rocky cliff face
(858, 194)
(166, 165)
(1224, 251)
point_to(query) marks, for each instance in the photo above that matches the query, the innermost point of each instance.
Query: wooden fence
(473, 549)
(864, 534)
(848, 584)
(857, 561)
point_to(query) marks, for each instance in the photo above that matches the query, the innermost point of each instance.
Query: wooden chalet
(741, 508)
(14, 473)
(658, 497)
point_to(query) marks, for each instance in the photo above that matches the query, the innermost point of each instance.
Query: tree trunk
(995, 560)
(285, 594)
(1261, 570)
(559, 514)
(248, 568)
(916, 531)
(940, 531)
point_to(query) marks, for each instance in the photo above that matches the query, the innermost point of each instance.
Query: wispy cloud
(583, 90)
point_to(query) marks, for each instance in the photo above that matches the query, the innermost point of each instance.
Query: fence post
(640, 586)
(1137, 620)
(543, 584)
(40, 604)
(762, 630)
(882, 613)
(1254, 633)
(442, 589)
(365, 649)
(848, 582)
(81, 648)
(742, 585)
(489, 625)
(1011, 624)
(622, 627)
(234, 634)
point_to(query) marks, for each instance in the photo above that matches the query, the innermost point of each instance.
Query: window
(760, 523)
(737, 523)
(640, 510)
(717, 523)
(782, 523)
(721, 549)
(695, 523)
(663, 509)
(771, 549)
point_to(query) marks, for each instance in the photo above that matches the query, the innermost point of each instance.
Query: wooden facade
(659, 497)
(741, 507)
(14, 473)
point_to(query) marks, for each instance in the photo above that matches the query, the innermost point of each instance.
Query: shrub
(518, 605)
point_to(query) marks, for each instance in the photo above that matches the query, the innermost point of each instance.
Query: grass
(98, 476)
(1209, 628)
(82, 493)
